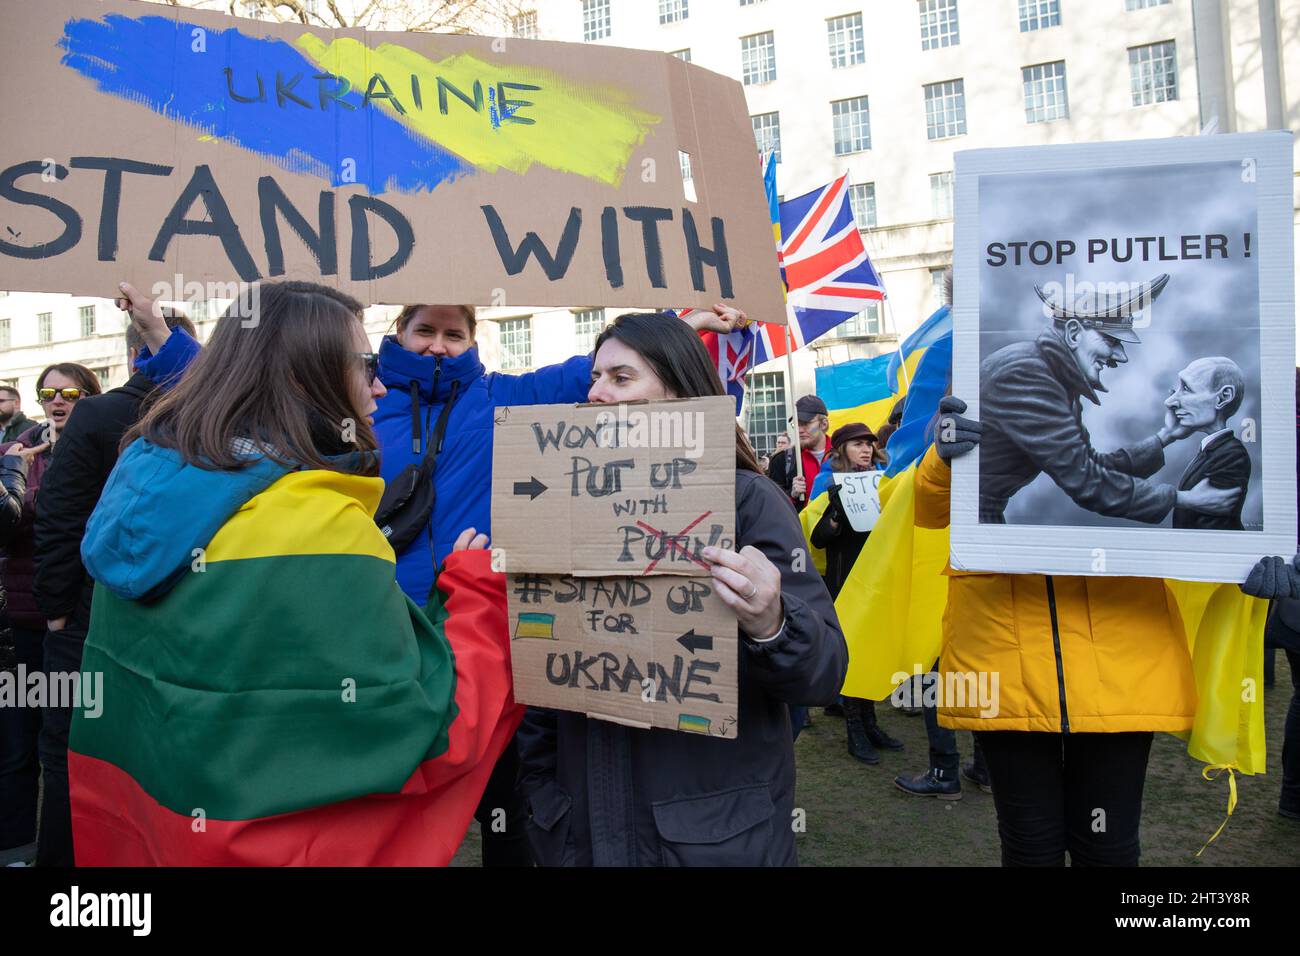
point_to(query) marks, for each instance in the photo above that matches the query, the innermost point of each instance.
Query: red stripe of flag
(814, 218)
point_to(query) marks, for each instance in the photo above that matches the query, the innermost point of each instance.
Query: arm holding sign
(168, 351)
(794, 645)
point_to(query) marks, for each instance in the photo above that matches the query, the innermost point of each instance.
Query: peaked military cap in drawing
(1110, 313)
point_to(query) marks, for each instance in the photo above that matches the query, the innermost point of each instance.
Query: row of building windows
(45, 326)
(937, 19)
(1153, 73)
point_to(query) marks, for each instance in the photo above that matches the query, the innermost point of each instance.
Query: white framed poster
(1124, 328)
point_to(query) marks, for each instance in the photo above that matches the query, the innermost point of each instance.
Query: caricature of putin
(1208, 394)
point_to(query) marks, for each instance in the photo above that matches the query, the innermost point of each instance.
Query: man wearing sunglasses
(159, 345)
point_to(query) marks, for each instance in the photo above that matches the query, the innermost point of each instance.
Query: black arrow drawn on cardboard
(531, 488)
(693, 642)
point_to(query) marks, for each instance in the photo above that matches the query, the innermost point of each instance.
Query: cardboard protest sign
(860, 497)
(659, 651)
(599, 513)
(187, 151)
(1124, 328)
(636, 488)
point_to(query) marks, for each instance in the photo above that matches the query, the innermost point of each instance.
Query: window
(516, 343)
(587, 324)
(766, 410)
(682, 55)
(101, 373)
(862, 197)
(936, 284)
(595, 19)
(767, 133)
(748, 3)
(945, 109)
(200, 310)
(45, 327)
(254, 9)
(866, 322)
(1153, 73)
(671, 11)
(87, 313)
(941, 195)
(1045, 92)
(1039, 14)
(851, 121)
(1143, 4)
(5, 335)
(844, 34)
(938, 23)
(757, 58)
(524, 25)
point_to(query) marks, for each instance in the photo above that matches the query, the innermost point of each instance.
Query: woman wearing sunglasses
(58, 388)
(259, 661)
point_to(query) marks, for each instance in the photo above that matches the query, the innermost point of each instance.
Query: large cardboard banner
(1125, 331)
(599, 513)
(165, 145)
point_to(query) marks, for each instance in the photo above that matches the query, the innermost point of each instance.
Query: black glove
(954, 435)
(1273, 577)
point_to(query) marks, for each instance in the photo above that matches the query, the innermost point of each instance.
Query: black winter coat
(84, 457)
(13, 488)
(604, 794)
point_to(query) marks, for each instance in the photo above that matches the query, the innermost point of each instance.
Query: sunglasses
(47, 394)
(372, 365)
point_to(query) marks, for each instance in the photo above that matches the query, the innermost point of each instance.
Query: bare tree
(421, 16)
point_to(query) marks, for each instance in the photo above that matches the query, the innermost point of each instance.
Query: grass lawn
(855, 816)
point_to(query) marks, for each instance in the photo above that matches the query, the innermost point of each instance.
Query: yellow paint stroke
(589, 130)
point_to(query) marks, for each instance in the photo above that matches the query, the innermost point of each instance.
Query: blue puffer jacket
(463, 475)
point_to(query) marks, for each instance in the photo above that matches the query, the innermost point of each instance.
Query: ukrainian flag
(535, 624)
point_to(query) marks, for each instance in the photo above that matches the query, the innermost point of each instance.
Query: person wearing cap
(1031, 405)
(853, 448)
(814, 446)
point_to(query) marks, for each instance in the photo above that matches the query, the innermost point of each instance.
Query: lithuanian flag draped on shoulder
(281, 701)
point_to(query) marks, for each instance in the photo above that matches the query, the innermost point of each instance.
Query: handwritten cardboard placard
(598, 490)
(187, 151)
(860, 497)
(657, 651)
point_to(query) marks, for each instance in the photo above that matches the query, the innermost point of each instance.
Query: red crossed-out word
(672, 542)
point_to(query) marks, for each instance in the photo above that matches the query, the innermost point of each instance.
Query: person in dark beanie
(814, 446)
(87, 452)
(854, 447)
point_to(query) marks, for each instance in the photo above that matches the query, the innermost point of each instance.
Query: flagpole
(792, 415)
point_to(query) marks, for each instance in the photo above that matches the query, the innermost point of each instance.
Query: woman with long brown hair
(260, 661)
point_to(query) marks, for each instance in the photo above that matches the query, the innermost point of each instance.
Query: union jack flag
(828, 275)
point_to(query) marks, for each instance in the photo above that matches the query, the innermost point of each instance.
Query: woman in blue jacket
(439, 392)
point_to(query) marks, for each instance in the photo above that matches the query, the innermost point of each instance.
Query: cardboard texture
(860, 496)
(598, 515)
(183, 150)
(657, 651)
(592, 490)
(1124, 328)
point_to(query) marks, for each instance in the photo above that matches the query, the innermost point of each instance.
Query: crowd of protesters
(112, 494)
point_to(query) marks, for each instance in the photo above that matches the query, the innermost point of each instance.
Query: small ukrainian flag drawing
(535, 624)
(693, 723)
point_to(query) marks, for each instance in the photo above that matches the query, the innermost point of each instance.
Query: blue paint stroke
(149, 60)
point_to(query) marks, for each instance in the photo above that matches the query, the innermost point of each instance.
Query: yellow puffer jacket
(1077, 654)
